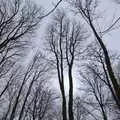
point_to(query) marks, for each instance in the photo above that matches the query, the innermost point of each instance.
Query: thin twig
(51, 10)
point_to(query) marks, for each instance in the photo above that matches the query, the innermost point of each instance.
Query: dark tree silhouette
(87, 8)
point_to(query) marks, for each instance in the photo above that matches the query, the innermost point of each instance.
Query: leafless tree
(21, 84)
(96, 87)
(40, 104)
(40, 70)
(96, 79)
(87, 8)
(65, 41)
(26, 77)
(74, 36)
(82, 111)
(18, 20)
(9, 94)
(54, 41)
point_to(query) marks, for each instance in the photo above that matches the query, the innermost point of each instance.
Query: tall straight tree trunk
(62, 89)
(70, 103)
(61, 78)
(64, 108)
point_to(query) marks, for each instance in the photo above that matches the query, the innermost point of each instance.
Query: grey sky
(111, 39)
(110, 8)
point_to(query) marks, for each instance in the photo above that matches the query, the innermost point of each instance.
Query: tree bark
(64, 108)
(70, 104)
(16, 102)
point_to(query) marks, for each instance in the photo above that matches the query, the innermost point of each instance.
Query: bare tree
(40, 104)
(23, 84)
(18, 19)
(40, 73)
(26, 77)
(82, 111)
(54, 42)
(95, 53)
(97, 88)
(65, 41)
(74, 36)
(87, 8)
(97, 81)
(9, 93)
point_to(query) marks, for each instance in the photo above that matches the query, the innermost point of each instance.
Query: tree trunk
(23, 106)
(103, 113)
(70, 104)
(64, 110)
(16, 102)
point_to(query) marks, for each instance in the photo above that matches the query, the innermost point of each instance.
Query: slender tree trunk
(64, 108)
(4, 90)
(62, 89)
(103, 113)
(70, 104)
(23, 106)
(16, 102)
(34, 107)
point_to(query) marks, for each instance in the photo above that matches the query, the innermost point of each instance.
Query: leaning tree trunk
(113, 79)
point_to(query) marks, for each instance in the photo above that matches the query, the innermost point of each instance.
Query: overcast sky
(110, 8)
(111, 39)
